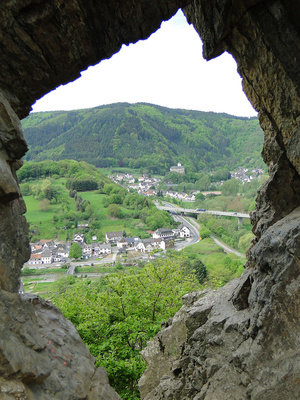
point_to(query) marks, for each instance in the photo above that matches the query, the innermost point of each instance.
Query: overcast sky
(167, 69)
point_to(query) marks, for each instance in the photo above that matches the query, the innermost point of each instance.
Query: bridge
(183, 211)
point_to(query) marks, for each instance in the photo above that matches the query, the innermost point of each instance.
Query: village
(148, 186)
(46, 252)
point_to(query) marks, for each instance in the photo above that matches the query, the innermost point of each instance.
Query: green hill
(66, 197)
(145, 135)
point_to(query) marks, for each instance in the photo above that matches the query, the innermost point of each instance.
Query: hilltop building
(178, 168)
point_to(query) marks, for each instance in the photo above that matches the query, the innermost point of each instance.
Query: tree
(200, 270)
(114, 211)
(75, 251)
(203, 183)
(44, 205)
(200, 196)
(118, 314)
(26, 271)
(47, 189)
(25, 189)
(230, 188)
(205, 233)
(245, 241)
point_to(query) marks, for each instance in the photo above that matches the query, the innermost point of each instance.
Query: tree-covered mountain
(145, 135)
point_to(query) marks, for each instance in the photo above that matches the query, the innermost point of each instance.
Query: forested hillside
(145, 135)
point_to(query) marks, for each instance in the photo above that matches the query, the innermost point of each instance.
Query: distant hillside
(144, 135)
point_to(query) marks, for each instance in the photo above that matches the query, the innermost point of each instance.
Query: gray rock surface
(42, 355)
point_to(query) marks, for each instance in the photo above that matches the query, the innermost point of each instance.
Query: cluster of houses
(142, 182)
(145, 186)
(49, 251)
(148, 187)
(162, 239)
(121, 178)
(180, 196)
(244, 175)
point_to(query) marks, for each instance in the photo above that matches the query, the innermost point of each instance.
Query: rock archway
(239, 342)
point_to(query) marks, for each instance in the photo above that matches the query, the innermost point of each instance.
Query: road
(195, 227)
(106, 260)
(226, 248)
(169, 207)
(194, 234)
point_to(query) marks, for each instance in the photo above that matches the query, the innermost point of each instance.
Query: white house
(35, 259)
(131, 241)
(163, 233)
(178, 168)
(184, 231)
(46, 256)
(104, 248)
(147, 245)
(63, 250)
(119, 177)
(122, 244)
(87, 250)
(190, 198)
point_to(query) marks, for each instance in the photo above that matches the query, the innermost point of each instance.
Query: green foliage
(200, 196)
(75, 251)
(159, 219)
(81, 185)
(196, 266)
(230, 188)
(226, 228)
(221, 174)
(63, 284)
(205, 233)
(245, 241)
(145, 136)
(114, 211)
(200, 270)
(44, 205)
(117, 315)
(80, 171)
(26, 271)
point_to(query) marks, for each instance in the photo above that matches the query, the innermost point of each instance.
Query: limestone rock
(42, 355)
(14, 244)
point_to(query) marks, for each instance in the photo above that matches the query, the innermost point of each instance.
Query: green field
(42, 223)
(221, 266)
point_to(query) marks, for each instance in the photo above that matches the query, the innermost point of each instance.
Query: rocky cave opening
(240, 342)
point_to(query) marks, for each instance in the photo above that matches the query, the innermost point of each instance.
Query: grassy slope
(214, 259)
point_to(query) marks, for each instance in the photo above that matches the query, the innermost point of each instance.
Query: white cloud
(166, 69)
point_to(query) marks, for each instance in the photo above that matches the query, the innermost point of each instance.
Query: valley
(119, 200)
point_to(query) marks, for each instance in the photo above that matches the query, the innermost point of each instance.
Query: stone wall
(239, 342)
